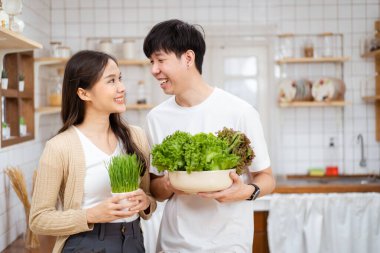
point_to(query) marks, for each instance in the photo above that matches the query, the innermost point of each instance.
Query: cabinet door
(260, 238)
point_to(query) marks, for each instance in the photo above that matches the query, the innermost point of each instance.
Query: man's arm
(265, 180)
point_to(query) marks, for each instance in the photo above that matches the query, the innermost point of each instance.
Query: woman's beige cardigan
(60, 176)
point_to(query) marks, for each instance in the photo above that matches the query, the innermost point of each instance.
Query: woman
(72, 172)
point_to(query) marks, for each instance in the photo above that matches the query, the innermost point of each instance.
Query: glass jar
(106, 46)
(326, 44)
(54, 45)
(4, 18)
(308, 49)
(54, 92)
(286, 45)
(129, 49)
(141, 94)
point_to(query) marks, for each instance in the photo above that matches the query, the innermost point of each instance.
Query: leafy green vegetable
(207, 152)
(202, 152)
(169, 155)
(238, 144)
(124, 172)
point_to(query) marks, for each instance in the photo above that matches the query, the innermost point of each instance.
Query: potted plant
(124, 173)
(21, 83)
(203, 162)
(4, 80)
(6, 132)
(22, 126)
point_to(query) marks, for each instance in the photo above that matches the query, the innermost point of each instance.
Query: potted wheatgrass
(124, 173)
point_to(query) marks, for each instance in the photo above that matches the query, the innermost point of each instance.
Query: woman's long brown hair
(83, 70)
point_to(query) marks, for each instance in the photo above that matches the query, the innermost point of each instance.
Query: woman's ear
(83, 94)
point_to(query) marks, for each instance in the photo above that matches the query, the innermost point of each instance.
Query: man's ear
(83, 94)
(189, 57)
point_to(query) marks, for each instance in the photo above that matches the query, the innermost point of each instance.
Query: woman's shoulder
(63, 139)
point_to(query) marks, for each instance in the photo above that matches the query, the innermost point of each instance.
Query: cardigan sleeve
(45, 218)
(142, 142)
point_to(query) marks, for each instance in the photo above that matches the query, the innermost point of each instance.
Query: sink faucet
(363, 161)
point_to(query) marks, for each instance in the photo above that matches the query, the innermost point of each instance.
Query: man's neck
(197, 92)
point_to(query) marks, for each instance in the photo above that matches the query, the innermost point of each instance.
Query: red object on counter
(332, 171)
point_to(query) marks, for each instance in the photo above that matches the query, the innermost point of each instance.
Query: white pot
(125, 201)
(4, 83)
(21, 85)
(201, 181)
(22, 130)
(6, 132)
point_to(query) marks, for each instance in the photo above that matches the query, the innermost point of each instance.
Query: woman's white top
(97, 186)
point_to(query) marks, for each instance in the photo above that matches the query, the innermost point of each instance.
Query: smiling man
(212, 221)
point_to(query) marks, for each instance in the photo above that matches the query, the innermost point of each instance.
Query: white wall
(302, 133)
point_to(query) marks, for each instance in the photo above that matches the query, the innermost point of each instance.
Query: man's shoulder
(232, 101)
(164, 106)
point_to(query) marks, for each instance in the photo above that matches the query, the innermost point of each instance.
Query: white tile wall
(303, 133)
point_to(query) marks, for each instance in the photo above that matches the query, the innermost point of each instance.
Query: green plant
(4, 74)
(4, 125)
(124, 173)
(21, 77)
(22, 121)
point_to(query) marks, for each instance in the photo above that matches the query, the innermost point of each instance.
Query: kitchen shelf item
(286, 45)
(326, 45)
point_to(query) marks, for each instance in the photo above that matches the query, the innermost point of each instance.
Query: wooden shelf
(48, 110)
(62, 61)
(54, 109)
(371, 98)
(138, 62)
(139, 106)
(15, 41)
(313, 60)
(375, 53)
(313, 104)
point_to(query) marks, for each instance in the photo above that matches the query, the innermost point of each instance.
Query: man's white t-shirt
(192, 224)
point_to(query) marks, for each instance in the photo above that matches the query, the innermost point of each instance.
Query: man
(213, 221)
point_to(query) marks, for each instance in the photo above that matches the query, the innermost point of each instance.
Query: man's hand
(236, 192)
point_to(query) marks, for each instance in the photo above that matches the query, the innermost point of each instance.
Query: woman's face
(108, 93)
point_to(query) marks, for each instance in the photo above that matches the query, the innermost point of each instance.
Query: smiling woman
(92, 134)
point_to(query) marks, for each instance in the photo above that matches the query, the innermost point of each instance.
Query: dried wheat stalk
(19, 185)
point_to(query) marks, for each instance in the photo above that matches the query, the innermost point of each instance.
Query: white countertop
(262, 204)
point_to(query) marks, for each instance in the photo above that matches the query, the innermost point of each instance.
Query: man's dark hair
(176, 36)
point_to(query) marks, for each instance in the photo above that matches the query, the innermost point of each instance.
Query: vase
(22, 130)
(21, 85)
(4, 83)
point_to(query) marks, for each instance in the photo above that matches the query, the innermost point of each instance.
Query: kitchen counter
(324, 184)
(327, 184)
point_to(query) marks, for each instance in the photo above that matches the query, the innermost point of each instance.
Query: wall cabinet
(17, 101)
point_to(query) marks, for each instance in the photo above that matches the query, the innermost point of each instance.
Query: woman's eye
(112, 80)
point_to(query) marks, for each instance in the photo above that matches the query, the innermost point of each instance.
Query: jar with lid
(106, 46)
(54, 48)
(141, 94)
(326, 44)
(308, 48)
(286, 46)
(54, 92)
(129, 49)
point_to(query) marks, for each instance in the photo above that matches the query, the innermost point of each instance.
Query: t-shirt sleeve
(250, 124)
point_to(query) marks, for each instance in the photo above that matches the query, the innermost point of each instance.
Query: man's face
(169, 70)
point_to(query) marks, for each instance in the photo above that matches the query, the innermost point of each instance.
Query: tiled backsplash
(302, 135)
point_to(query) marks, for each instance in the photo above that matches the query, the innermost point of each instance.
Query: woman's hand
(110, 210)
(139, 198)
